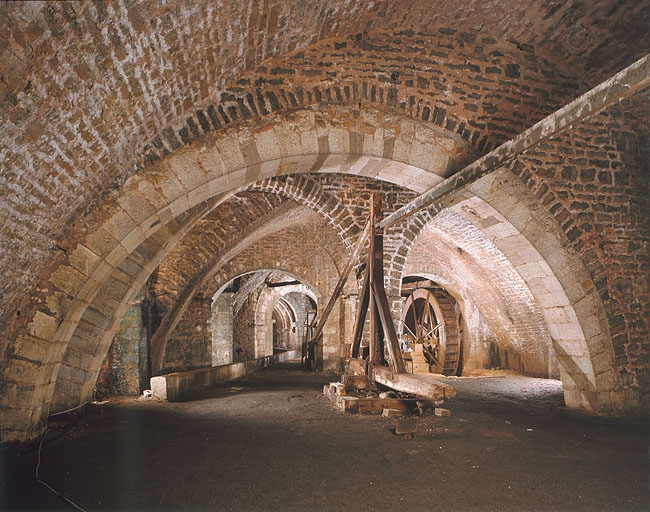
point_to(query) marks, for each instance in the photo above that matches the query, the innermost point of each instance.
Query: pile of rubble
(355, 394)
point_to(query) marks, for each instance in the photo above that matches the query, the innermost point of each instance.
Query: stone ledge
(181, 386)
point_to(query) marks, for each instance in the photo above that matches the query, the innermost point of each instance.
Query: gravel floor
(273, 442)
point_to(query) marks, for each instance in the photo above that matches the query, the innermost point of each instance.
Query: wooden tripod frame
(373, 298)
(382, 329)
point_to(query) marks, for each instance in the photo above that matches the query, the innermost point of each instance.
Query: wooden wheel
(430, 320)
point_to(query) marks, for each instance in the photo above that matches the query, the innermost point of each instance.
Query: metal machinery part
(430, 319)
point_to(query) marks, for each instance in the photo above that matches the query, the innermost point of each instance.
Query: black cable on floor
(48, 486)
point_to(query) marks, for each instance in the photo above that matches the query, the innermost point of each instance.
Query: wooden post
(360, 321)
(373, 296)
(382, 328)
(376, 274)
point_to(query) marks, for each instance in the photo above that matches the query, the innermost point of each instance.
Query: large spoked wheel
(430, 320)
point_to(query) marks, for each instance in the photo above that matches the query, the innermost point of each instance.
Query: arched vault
(132, 129)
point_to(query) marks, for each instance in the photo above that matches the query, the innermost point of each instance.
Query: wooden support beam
(341, 283)
(356, 382)
(627, 82)
(360, 320)
(376, 273)
(396, 361)
(382, 328)
(357, 405)
(409, 383)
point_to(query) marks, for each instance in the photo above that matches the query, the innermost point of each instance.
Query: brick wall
(190, 344)
(98, 95)
(595, 182)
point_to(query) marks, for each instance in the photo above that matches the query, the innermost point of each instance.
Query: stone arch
(264, 305)
(506, 213)
(133, 232)
(562, 286)
(462, 260)
(302, 301)
(271, 306)
(281, 218)
(284, 325)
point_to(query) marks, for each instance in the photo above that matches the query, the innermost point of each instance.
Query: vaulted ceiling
(143, 133)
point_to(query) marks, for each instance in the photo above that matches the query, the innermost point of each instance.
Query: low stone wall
(180, 386)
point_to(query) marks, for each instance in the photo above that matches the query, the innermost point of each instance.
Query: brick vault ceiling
(223, 234)
(84, 86)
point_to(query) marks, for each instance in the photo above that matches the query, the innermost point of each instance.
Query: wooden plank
(359, 405)
(627, 82)
(410, 383)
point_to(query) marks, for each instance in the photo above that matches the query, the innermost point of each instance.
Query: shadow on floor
(271, 441)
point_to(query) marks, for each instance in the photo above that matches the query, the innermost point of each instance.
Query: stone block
(43, 326)
(211, 161)
(177, 207)
(309, 142)
(159, 386)
(101, 242)
(405, 426)
(339, 141)
(230, 151)
(136, 206)
(83, 259)
(198, 195)
(267, 145)
(180, 386)
(119, 225)
(402, 151)
(33, 347)
(185, 167)
(373, 143)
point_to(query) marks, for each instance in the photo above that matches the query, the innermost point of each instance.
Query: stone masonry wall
(471, 87)
(125, 369)
(190, 345)
(221, 329)
(244, 330)
(594, 180)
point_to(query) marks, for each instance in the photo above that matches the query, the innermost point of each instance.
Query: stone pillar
(125, 370)
(221, 327)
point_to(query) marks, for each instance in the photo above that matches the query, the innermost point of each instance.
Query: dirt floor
(273, 442)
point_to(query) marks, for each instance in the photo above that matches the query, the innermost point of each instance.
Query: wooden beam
(627, 82)
(409, 383)
(341, 283)
(359, 405)
(396, 361)
(382, 327)
(360, 320)
(376, 274)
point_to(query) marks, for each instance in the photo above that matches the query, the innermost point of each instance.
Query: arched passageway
(165, 177)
